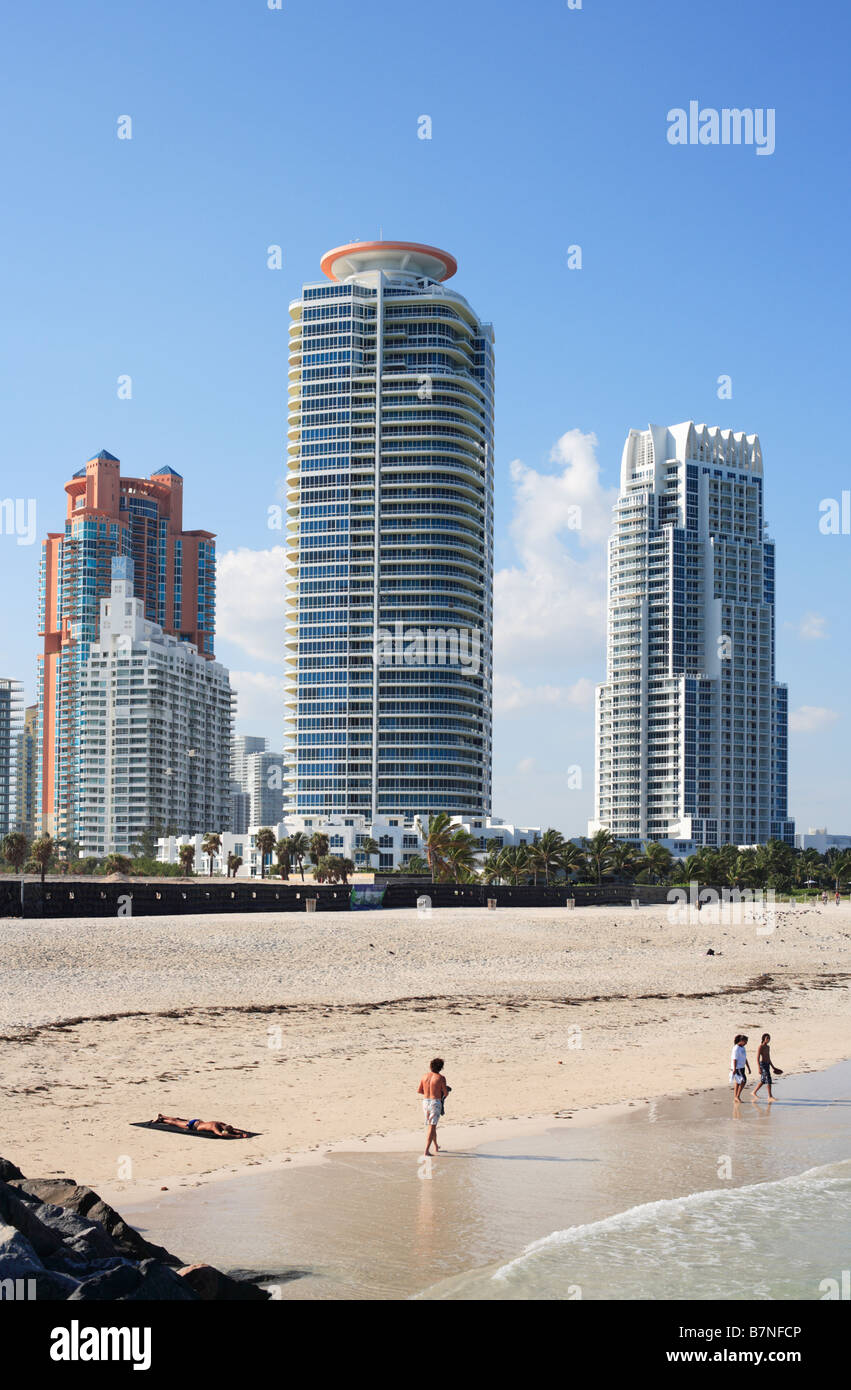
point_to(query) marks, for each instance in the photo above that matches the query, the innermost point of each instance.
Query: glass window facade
(390, 510)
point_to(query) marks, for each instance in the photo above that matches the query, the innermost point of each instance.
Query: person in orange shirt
(434, 1090)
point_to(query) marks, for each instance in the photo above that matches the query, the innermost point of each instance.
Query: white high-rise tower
(155, 729)
(691, 724)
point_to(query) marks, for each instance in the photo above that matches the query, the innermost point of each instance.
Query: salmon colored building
(175, 577)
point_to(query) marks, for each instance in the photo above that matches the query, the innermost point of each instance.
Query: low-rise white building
(155, 727)
(821, 840)
(399, 841)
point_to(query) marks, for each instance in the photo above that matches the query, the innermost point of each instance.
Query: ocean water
(770, 1240)
(686, 1198)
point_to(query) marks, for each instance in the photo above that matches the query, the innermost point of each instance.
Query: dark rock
(108, 1284)
(14, 1212)
(19, 1262)
(134, 1283)
(68, 1262)
(17, 1257)
(161, 1282)
(62, 1241)
(85, 1202)
(211, 1284)
(88, 1239)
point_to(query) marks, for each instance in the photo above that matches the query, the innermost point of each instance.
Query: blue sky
(298, 127)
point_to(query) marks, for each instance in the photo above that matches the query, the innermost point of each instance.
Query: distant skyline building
(106, 516)
(26, 773)
(242, 746)
(389, 581)
(155, 729)
(10, 725)
(691, 724)
(257, 796)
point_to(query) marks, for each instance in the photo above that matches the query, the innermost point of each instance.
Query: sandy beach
(314, 1031)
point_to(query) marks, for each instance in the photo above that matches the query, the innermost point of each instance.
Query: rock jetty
(59, 1240)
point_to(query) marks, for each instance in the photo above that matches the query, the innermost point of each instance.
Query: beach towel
(171, 1129)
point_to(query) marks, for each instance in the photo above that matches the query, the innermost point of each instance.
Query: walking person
(738, 1063)
(766, 1066)
(434, 1090)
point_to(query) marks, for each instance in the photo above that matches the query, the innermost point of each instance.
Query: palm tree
(624, 861)
(319, 846)
(342, 868)
(809, 865)
(282, 854)
(323, 869)
(725, 864)
(461, 853)
(749, 871)
(41, 854)
(515, 864)
(299, 846)
(778, 861)
(16, 848)
(437, 844)
(706, 858)
(117, 864)
(571, 860)
(211, 847)
(490, 871)
(417, 865)
(686, 870)
(657, 861)
(369, 848)
(265, 842)
(840, 867)
(598, 851)
(234, 864)
(546, 853)
(186, 855)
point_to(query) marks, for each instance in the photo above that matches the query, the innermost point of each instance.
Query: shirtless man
(766, 1066)
(434, 1090)
(217, 1127)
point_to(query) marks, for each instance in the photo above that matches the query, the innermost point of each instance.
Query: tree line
(453, 854)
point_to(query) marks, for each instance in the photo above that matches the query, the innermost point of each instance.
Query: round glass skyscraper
(390, 539)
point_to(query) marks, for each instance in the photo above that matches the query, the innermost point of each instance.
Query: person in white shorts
(434, 1090)
(738, 1063)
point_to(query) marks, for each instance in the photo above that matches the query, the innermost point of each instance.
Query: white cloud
(260, 704)
(808, 719)
(811, 628)
(525, 766)
(555, 594)
(250, 601)
(510, 694)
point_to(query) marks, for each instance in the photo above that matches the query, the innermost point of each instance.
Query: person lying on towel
(217, 1127)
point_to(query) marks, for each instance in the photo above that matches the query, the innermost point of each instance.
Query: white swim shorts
(431, 1110)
